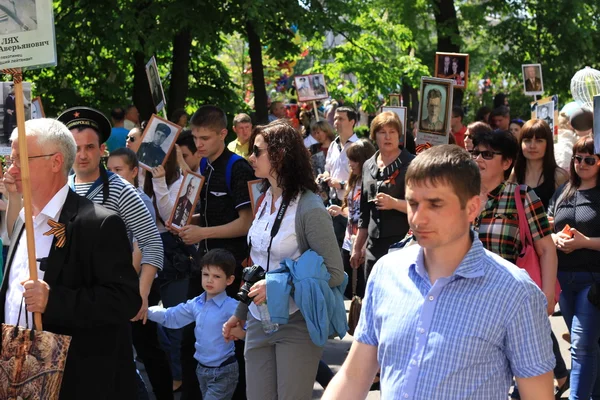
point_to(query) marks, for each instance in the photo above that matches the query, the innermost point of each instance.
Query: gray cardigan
(314, 230)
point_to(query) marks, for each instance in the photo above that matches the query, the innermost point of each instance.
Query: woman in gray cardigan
(283, 364)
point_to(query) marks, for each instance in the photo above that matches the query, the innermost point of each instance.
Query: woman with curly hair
(283, 364)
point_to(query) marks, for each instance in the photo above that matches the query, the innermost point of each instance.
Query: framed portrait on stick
(434, 111)
(453, 66)
(158, 141)
(546, 109)
(37, 109)
(156, 89)
(311, 87)
(254, 191)
(187, 197)
(401, 112)
(394, 100)
(533, 82)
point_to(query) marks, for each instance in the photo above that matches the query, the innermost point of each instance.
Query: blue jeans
(583, 320)
(218, 383)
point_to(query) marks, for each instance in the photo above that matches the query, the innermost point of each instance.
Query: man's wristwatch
(342, 184)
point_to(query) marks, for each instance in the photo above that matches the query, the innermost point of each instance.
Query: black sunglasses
(589, 160)
(257, 151)
(486, 154)
(131, 138)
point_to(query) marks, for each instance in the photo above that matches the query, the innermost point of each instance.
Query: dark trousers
(360, 275)
(145, 341)
(190, 389)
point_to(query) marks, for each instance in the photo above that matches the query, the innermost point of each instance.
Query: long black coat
(94, 292)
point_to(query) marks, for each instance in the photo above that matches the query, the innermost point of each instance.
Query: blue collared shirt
(211, 348)
(462, 338)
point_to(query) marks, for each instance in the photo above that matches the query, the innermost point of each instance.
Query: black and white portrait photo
(311, 87)
(533, 81)
(434, 111)
(158, 95)
(188, 196)
(158, 141)
(544, 109)
(9, 107)
(17, 16)
(453, 66)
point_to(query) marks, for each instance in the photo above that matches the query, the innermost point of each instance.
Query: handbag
(32, 362)
(355, 305)
(528, 259)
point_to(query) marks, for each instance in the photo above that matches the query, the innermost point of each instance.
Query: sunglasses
(590, 160)
(486, 154)
(131, 138)
(257, 151)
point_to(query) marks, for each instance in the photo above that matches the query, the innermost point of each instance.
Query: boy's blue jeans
(218, 383)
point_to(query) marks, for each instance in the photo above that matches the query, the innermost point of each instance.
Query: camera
(250, 276)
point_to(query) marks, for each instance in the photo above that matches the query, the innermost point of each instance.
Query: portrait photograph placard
(453, 66)
(401, 113)
(434, 111)
(311, 87)
(158, 140)
(158, 95)
(254, 191)
(27, 37)
(533, 82)
(394, 100)
(187, 197)
(547, 109)
(597, 124)
(37, 109)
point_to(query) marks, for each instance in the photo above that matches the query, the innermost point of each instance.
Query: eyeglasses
(589, 160)
(486, 154)
(16, 161)
(131, 138)
(257, 151)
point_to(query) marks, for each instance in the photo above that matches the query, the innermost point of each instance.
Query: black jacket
(94, 292)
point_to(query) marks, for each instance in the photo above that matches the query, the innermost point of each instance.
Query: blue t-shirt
(117, 139)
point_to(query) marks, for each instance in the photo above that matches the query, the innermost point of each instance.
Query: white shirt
(309, 141)
(285, 244)
(337, 163)
(19, 271)
(166, 198)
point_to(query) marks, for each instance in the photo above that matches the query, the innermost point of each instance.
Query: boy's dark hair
(350, 112)
(210, 117)
(118, 114)
(219, 258)
(448, 164)
(186, 139)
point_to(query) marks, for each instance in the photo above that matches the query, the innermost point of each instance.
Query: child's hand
(238, 332)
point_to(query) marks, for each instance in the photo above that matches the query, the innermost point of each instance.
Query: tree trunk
(178, 88)
(258, 75)
(446, 25)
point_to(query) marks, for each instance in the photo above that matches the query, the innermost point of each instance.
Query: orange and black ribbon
(422, 147)
(59, 231)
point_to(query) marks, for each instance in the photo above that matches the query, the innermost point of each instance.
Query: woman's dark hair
(359, 152)
(289, 158)
(501, 141)
(177, 114)
(478, 127)
(172, 173)
(481, 113)
(130, 158)
(536, 129)
(584, 145)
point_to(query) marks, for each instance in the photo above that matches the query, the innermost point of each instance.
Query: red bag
(528, 259)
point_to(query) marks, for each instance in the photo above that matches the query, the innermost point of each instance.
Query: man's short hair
(241, 119)
(220, 258)
(129, 107)
(434, 94)
(457, 111)
(209, 117)
(350, 112)
(501, 111)
(273, 105)
(50, 132)
(448, 164)
(118, 114)
(187, 139)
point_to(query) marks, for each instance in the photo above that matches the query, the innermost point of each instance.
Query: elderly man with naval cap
(86, 286)
(152, 153)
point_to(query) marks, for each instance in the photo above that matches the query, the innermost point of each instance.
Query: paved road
(335, 353)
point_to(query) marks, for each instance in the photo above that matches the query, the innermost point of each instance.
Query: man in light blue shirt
(218, 369)
(447, 319)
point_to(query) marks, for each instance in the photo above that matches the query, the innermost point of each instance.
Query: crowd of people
(239, 302)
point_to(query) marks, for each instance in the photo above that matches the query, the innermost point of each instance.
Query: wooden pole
(26, 182)
(316, 111)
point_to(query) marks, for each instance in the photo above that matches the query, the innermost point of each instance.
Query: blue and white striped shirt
(462, 338)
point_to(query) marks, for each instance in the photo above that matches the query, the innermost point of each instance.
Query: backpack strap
(232, 160)
(203, 164)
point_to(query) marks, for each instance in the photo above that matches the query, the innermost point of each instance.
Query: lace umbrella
(585, 84)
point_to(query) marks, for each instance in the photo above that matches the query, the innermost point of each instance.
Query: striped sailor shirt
(124, 200)
(464, 337)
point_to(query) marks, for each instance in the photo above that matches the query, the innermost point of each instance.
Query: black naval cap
(85, 117)
(164, 128)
